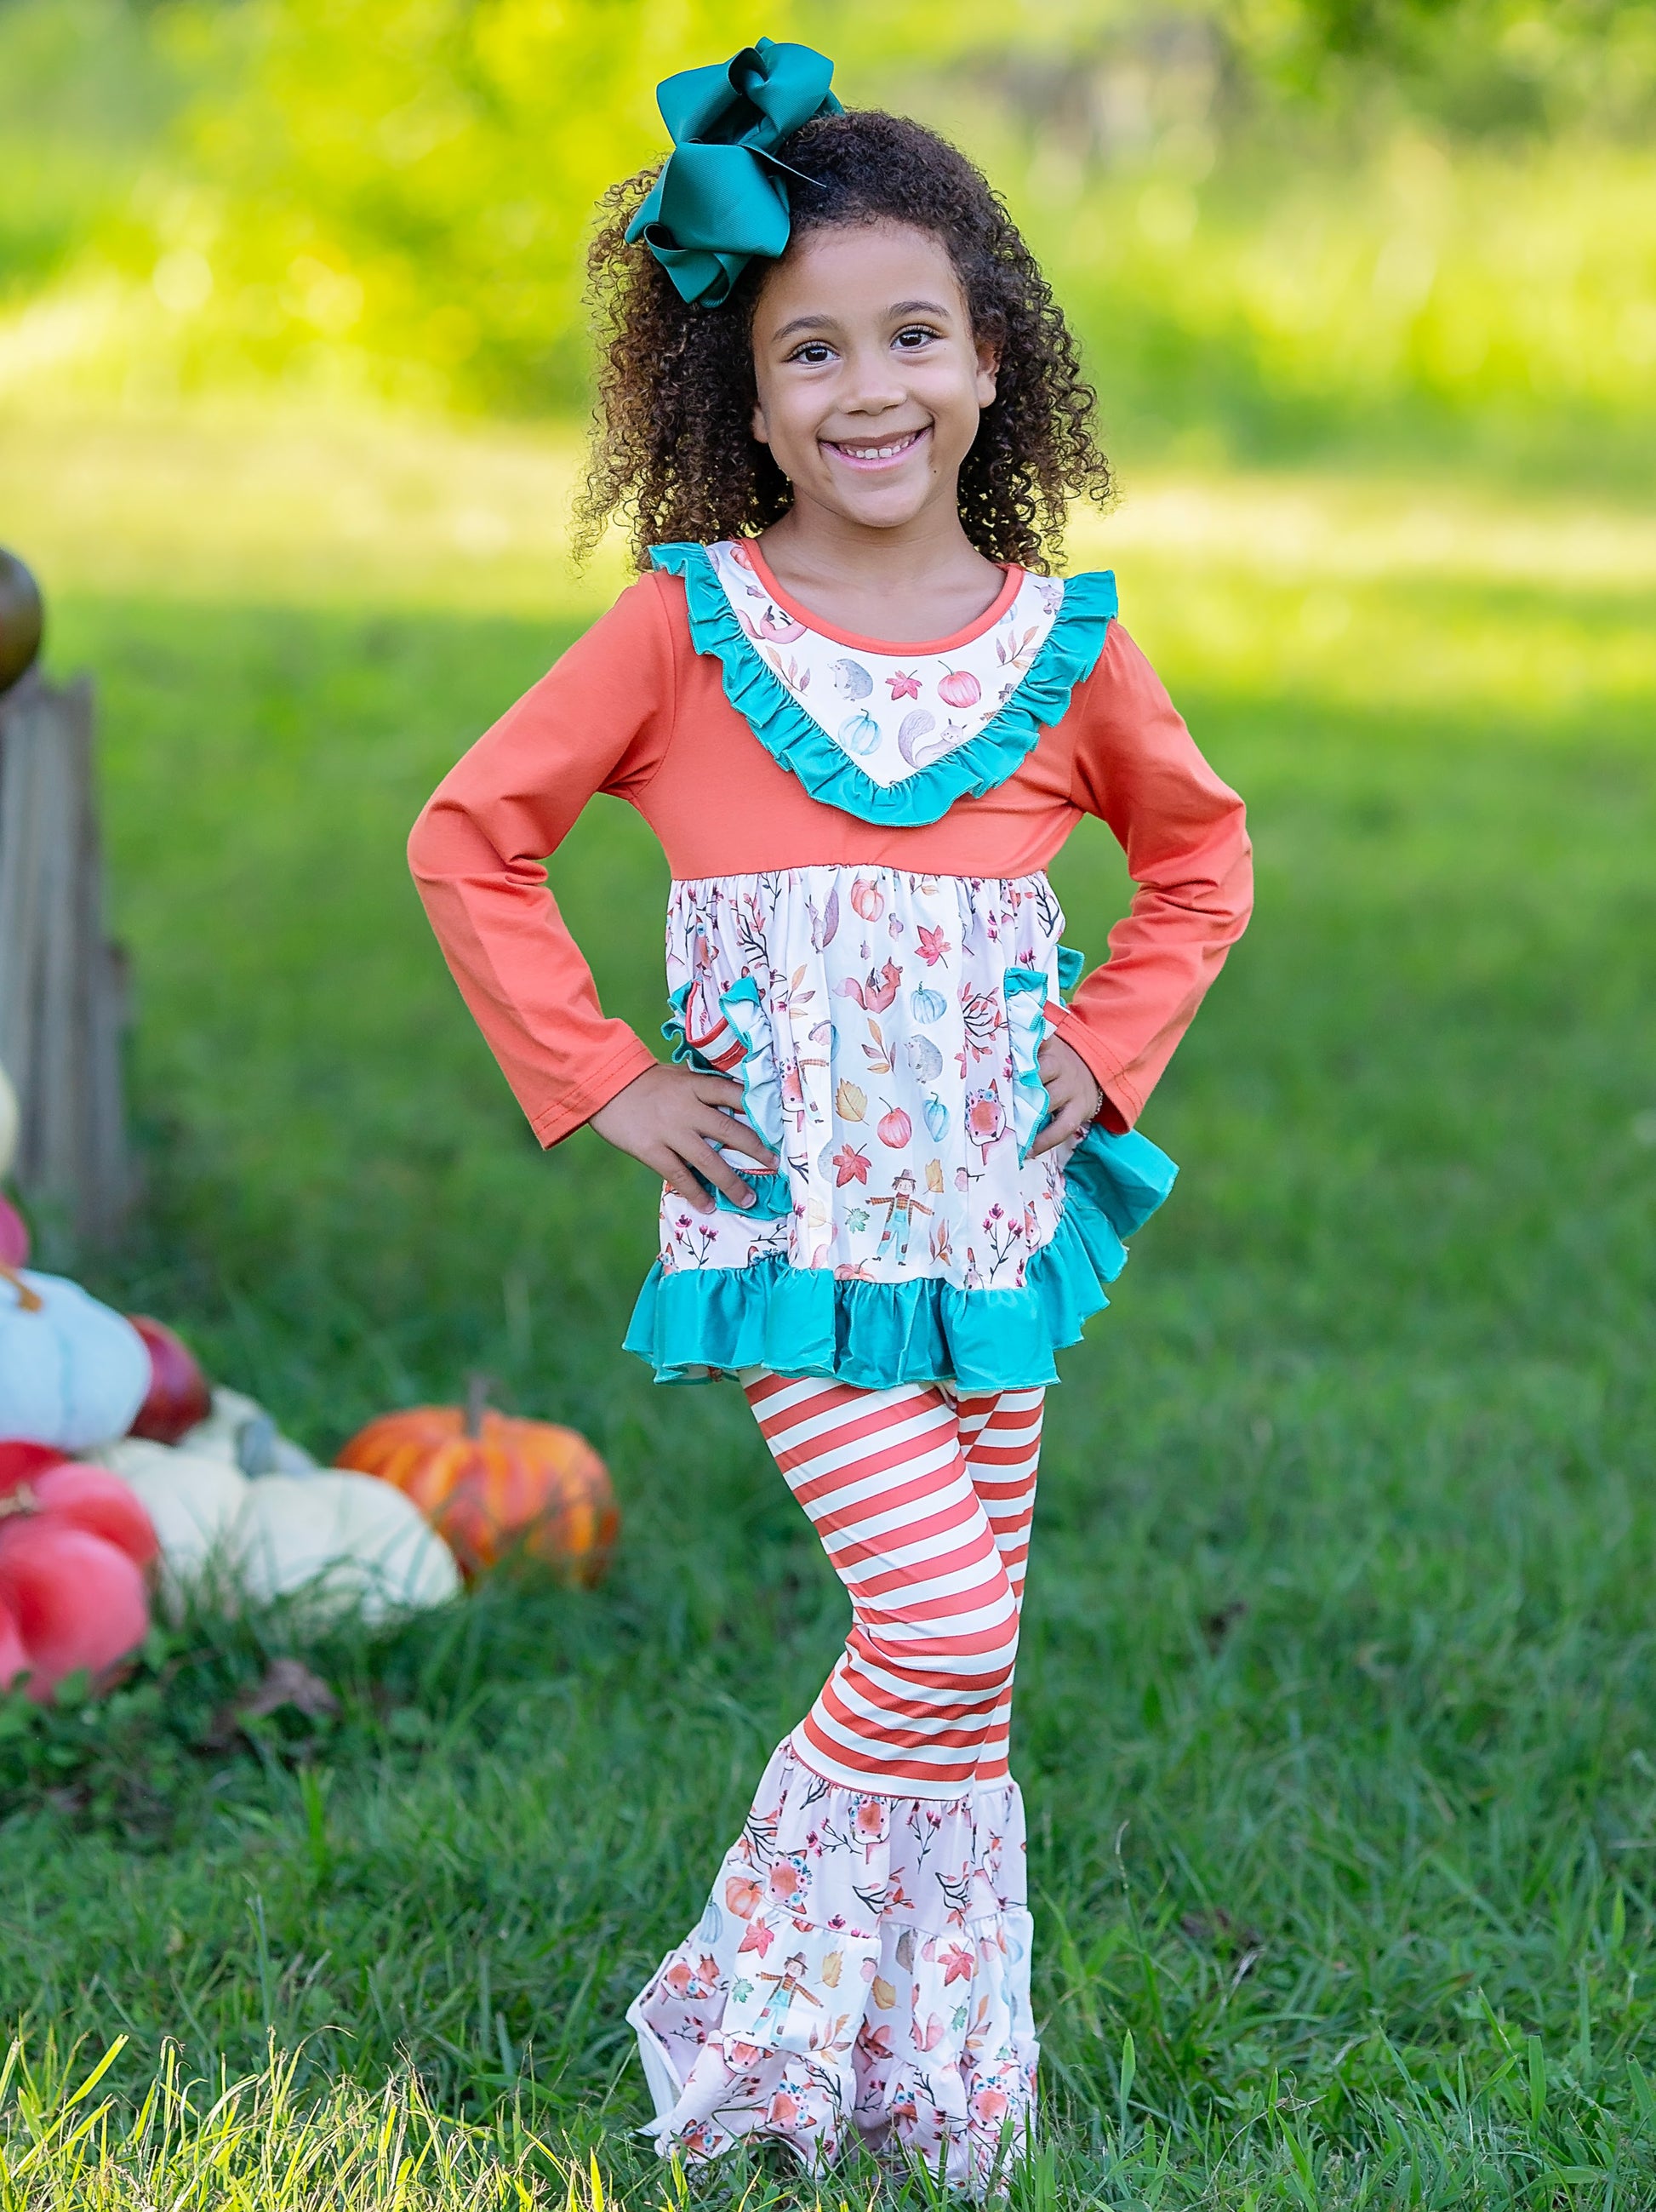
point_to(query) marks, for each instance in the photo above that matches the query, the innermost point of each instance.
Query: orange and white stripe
(922, 1503)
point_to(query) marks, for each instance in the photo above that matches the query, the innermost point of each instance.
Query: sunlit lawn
(1338, 1683)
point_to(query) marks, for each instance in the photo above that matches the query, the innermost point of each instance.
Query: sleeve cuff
(574, 1107)
(1122, 1104)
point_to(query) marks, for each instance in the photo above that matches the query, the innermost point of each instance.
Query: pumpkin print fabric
(866, 1014)
(862, 1967)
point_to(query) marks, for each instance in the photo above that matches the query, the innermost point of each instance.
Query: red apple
(178, 1397)
(13, 1236)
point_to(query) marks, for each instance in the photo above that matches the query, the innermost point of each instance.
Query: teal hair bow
(723, 195)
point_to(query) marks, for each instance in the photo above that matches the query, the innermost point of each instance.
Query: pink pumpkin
(960, 689)
(79, 1603)
(13, 1237)
(867, 899)
(98, 1503)
(14, 1659)
(894, 1129)
(74, 1544)
(20, 1460)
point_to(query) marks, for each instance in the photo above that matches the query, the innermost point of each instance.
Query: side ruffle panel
(788, 733)
(695, 1324)
(861, 1971)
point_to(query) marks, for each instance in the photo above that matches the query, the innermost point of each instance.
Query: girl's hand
(670, 1118)
(1073, 1093)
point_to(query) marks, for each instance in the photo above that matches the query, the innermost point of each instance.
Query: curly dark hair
(673, 449)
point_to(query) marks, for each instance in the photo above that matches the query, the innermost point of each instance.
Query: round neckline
(888, 648)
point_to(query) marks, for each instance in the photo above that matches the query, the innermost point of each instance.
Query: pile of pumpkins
(125, 1477)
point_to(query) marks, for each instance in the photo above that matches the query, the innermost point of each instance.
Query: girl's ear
(760, 432)
(988, 372)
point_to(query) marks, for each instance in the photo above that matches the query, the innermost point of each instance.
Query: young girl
(862, 714)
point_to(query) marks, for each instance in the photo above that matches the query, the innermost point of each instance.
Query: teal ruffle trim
(694, 1324)
(787, 732)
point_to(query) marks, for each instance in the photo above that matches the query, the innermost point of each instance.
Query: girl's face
(871, 382)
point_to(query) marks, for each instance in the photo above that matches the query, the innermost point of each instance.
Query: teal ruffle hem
(1068, 656)
(695, 1324)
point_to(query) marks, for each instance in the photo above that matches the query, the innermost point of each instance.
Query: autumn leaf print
(849, 1166)
(957, 1964)
(903, 686)
(933, 945)
(850, 1100)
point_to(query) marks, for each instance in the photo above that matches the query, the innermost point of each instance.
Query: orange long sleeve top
(631, 709)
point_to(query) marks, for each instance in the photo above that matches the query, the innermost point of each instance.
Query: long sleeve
(598, 721)
(1184, 835)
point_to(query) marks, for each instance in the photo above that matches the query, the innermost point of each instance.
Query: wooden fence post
(63, 985)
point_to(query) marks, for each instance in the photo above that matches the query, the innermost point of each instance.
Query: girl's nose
(872, 384)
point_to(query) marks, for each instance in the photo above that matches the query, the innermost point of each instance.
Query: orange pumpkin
(490, 1485)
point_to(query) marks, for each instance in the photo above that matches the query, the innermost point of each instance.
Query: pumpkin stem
(479, 1387)
(28, 1301)
(21, 1500)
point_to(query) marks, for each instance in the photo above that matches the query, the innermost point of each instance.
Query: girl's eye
(914, 336)
(813, 353)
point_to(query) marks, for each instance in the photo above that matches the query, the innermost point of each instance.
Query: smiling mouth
(875, 453)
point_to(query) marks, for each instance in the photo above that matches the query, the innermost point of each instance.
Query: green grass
(1337, 1698)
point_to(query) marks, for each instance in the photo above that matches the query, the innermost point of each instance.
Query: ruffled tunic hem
(701, 1324)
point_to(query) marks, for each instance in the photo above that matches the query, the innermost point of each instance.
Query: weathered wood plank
(62, 995)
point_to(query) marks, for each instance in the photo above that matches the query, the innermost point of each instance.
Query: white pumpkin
(219, 1436)
(72, 1372)
(9, 1124)
(195, 1503)
(347, 1542)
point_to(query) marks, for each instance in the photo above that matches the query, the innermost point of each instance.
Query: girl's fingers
(1067, 1118)
(711, 1168)
(719, 1091)
(716, 1129)
(677, 1177)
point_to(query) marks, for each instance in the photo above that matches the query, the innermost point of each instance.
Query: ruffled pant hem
(861, 1974)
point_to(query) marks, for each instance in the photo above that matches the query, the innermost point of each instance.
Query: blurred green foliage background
(1281, 224)
(1338, 1669)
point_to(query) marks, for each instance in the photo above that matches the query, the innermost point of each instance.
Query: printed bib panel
(894, 713)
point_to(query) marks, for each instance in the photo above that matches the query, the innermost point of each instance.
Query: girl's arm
(1185, 835)
(598, 721)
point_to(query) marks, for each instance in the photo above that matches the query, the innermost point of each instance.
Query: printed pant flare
(863, 1963)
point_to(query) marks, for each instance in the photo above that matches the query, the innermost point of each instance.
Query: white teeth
(879, 453)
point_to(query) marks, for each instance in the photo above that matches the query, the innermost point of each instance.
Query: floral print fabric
(893, 713)
(885, 1028)
(863, 1964)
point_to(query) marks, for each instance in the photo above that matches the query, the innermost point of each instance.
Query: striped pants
(861, 1969)
(923, 1502)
